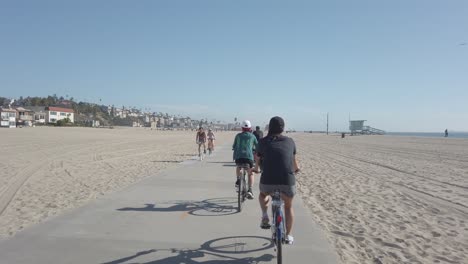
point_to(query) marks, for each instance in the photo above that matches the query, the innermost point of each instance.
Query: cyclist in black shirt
(278, 153)
(258, 133)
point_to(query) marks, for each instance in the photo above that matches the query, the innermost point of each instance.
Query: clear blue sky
(402, 65)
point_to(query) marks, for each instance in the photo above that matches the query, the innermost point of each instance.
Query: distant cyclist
(279, 168)
(201, 140)
(211, 139)
(243, 146)
(258, 133)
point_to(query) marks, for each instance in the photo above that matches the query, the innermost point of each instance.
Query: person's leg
(199, 149)
(289, 213)
(251, 179)
(238, 174)
(204, 148)
(250, 194)
(264, 200)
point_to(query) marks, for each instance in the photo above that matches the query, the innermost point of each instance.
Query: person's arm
(258, 154)
(196, 137)
(235, 143)
(295, 164)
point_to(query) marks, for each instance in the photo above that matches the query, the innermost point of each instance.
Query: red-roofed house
(53, 114)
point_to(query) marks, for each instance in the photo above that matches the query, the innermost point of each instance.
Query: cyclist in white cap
(243, 146)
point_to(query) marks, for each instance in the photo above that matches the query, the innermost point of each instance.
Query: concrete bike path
(182, 215)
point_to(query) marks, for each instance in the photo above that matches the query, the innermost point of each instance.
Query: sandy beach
(46, 170)
(388, 199)
(379, 199)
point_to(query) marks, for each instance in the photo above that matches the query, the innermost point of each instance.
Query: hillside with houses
(65, 111)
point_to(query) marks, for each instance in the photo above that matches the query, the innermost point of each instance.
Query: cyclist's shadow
(208, 207)
(227, 252)
(191, 256)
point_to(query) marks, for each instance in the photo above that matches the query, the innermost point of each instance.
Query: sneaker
(250, 195)
(265, 224)
(289, 240)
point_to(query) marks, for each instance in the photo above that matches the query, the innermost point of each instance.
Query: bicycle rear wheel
(279, 246)
(278, 234)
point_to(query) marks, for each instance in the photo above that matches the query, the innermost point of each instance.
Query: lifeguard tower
(357, 127)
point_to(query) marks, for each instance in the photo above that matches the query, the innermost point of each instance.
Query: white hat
(246, 124)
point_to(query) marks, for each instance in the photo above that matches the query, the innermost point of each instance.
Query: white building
(7, 117)
(54, 114)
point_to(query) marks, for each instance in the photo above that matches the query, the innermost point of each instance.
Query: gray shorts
(288, 190)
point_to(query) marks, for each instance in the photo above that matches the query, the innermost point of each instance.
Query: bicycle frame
(278, 228)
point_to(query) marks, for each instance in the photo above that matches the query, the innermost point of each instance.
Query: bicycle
(210, 146)
(242, 187)
(278, 225)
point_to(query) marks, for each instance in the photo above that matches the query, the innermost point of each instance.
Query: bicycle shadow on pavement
(207, 207)
(221, 250)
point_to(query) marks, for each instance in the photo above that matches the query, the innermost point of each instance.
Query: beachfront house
(39, 114)
(25, 116)
(54, 114)
(7, 117)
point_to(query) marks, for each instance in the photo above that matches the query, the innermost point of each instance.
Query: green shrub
(64, 122)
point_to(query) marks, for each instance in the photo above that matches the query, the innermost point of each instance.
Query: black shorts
(288, 190)
(240, 162)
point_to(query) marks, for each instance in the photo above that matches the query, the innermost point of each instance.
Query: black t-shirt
(258, 134)
(278, 160)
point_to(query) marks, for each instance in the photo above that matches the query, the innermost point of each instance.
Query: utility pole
(327, 123)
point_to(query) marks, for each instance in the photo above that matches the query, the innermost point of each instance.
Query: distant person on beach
(201, 140)
(244, 144)
(446, 133)
(211, 139)
(279, 168)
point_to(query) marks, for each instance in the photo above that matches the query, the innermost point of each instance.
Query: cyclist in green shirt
(244, 144)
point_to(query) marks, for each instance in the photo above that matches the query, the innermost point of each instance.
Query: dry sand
(380, 199)
(384, 199)
(45, 170)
